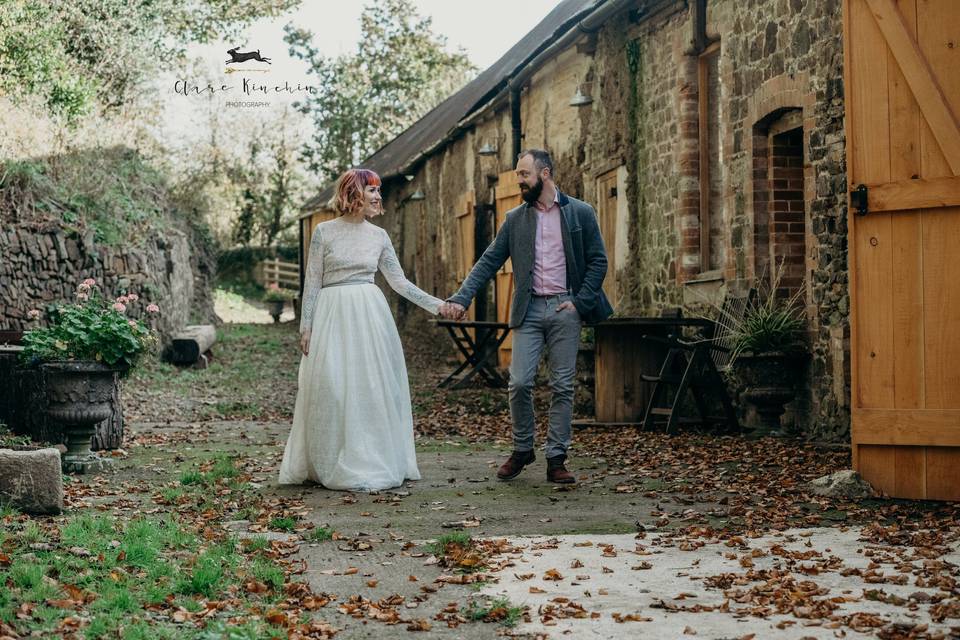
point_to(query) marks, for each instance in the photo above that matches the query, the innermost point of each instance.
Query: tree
(271, 185)
(399, 72)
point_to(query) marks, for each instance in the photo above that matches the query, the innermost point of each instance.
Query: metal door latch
(858, 199)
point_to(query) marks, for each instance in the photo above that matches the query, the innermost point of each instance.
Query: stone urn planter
(276, 309)
(771, 381)
(79, 397)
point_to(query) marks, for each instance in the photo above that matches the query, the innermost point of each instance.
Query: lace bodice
(343, 251)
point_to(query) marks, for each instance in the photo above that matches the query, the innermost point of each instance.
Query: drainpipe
(517, 129)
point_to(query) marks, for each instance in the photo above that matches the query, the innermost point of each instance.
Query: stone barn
(708, 136)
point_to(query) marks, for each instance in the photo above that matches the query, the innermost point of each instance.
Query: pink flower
(123, 299)
(33, 314)
(119, 306)
(89, 282)
(82, 297)
(132, 323)
(152, 308)
(132, 297)
(83, 287)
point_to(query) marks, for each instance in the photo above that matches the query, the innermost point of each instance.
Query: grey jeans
(559, 331)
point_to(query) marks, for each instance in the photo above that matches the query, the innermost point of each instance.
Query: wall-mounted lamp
(416, 196)
(409, 178)
(487, 150)
(580, 99)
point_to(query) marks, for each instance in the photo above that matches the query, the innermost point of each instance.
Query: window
(711, 161)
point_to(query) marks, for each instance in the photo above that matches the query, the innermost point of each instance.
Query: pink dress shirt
(550, 263)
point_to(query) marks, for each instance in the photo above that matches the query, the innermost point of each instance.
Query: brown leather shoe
(515, 464)
(556, 472)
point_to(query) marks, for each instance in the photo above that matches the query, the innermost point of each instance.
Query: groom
(558, 267)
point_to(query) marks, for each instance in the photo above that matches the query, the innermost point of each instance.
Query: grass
(284, 523)
(256, 543)
(440, 545)
(499, 610)
(126, 575)
(250, 378)
(10, 439)
(320, 534)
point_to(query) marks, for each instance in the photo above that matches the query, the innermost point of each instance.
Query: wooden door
(507, 195)
(903, 144)
(607, 218)
(466, 245)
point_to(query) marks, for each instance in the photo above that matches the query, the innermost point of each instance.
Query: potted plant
(82, 351)
(276, 298)
(769, 351)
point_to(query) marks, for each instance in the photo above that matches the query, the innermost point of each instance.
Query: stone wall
(40, 267)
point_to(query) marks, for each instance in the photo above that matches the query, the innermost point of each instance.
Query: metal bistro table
(479, 353)
(622, 356)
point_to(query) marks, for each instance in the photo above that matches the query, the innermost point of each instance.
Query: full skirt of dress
(352, 423)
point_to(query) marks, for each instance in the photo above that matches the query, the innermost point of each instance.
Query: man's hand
(566, 304)
(305, 342)
(452, 311)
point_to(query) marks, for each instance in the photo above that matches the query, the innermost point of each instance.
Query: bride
(352, 424)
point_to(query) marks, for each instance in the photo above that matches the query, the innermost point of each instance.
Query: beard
(531, 194)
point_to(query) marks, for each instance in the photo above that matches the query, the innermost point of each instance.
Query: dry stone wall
(41, 267)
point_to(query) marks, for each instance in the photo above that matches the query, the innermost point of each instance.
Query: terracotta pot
(79, 397)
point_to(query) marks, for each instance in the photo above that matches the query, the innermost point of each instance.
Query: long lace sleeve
(390, 267)
(314, 280)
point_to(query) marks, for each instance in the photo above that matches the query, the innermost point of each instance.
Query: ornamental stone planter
(79, 396)
(771, 381)
(276, 309)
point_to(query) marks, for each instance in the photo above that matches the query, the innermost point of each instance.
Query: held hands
(452, 311)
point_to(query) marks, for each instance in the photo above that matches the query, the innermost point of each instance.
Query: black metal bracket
(858, 199)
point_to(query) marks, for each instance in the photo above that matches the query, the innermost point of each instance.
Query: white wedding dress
(352, 424)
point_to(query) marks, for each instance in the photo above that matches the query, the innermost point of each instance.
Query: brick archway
(781, 184)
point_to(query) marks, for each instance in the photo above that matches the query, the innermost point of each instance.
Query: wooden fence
(283, 274)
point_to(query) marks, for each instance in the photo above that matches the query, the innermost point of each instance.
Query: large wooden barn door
(903, 145)
(507, 195)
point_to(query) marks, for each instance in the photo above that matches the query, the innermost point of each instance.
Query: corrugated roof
(441, 122)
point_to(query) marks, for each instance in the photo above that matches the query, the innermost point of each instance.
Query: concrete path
(802, 583)
(590, 561)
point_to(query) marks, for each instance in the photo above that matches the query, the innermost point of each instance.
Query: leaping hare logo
(243, 56)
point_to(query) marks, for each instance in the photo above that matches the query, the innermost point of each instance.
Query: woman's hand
(305, 342)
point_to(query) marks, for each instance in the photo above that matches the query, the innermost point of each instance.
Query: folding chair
(695, 366)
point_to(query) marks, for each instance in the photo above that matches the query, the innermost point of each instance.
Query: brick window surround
(702, 198)
(781, 182)
(779, 219)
